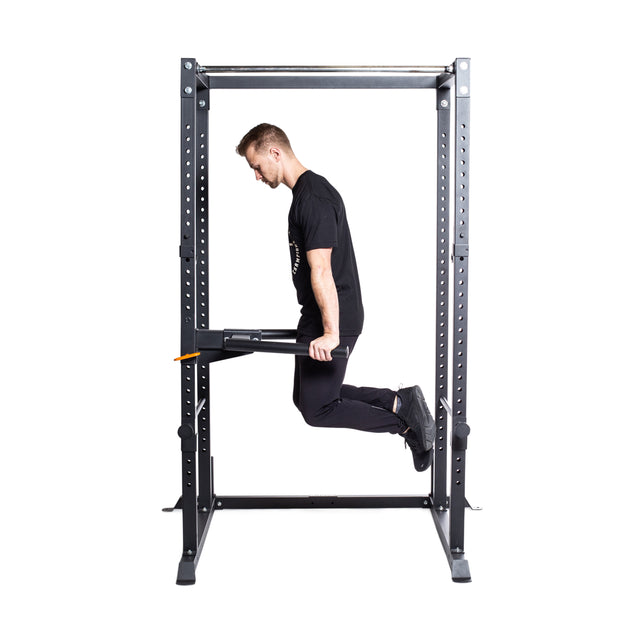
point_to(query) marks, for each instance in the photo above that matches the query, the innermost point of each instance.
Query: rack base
(459, 565)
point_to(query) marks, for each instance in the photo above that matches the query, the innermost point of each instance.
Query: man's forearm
(326, 295)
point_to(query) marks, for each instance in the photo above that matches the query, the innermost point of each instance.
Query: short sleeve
(319, 224)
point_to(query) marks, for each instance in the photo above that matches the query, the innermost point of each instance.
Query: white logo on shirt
(296, 262)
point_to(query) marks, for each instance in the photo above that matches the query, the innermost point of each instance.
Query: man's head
(267, 149)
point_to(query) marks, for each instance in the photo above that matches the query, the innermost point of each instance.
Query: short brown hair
(263, 135)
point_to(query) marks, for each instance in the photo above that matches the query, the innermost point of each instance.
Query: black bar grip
(264, 346)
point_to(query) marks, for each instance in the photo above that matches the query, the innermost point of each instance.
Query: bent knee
(311, 418)
(316, 416)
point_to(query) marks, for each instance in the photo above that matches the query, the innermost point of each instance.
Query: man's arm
(326, 295)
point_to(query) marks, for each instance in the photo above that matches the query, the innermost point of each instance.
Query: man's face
(266, 166)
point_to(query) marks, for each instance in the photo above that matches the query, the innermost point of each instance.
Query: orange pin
(186, 356)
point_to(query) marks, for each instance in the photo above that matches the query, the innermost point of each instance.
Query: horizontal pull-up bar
(330, 69)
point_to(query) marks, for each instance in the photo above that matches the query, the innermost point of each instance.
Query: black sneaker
(421, 458)
(414, 412)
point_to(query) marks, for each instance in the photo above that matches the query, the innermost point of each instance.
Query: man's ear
(275, 154)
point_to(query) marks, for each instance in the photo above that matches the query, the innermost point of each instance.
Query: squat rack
(202, 346)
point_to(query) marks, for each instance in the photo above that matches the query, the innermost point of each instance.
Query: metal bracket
(188, 77)
(460, 250)
(447, 505)
(443, 96)
(242, 334)
(203, 101)
(463, 76)
(472, 507)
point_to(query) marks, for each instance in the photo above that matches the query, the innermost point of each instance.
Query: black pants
(324, 401)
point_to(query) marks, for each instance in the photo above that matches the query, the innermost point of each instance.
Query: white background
(90, 323)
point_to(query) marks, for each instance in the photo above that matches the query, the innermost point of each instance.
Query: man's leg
(383, 398)
(318, 387)
(296, 383)
(325, 402)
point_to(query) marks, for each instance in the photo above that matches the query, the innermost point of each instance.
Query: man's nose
(258, 175)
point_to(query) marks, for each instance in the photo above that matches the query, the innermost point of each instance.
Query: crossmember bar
(321, 502)
(328, 69)
(371, 81)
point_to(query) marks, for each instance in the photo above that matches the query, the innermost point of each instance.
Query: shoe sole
(422, 459)
(427, 433)
(427, 463)
(429, 460)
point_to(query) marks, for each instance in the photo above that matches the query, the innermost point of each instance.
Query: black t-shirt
(318, 220)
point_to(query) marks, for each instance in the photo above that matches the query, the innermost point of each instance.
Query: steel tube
(263, 346)
(324, 81)
(331, 69)
(321, 502)
(200, 405)
(445, 404)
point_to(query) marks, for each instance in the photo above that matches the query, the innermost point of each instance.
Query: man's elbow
(321, 274)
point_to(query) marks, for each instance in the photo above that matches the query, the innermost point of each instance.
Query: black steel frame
(202, 346)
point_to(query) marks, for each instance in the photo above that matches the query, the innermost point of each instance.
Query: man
(325, 276)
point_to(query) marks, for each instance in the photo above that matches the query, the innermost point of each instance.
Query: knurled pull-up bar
(329, 69)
